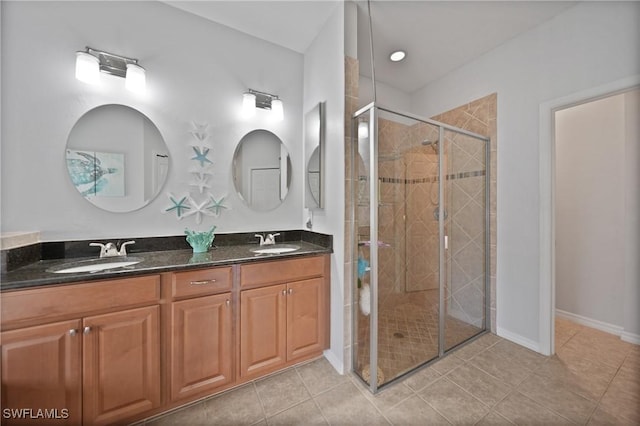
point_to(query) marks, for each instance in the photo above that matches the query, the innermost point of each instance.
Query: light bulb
(87, 67)
(363, 130)
(136, 79)
(397, 56)
(277, 110)
(248, 105)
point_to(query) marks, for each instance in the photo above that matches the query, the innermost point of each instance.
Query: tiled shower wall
(407, 172)
(480, 116)
(465, 200)
(408, 225)
(421, 233)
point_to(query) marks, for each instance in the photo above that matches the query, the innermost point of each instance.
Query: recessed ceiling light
(397, 56)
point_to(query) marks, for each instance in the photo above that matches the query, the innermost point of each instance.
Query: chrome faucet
(110, 249)
(269, 240)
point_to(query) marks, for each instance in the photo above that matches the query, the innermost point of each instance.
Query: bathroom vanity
(117, 347)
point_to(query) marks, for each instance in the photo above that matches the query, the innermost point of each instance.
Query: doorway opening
(593, 244)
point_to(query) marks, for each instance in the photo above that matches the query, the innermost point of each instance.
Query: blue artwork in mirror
(97, 174)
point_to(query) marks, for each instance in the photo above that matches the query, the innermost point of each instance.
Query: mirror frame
(314, 138)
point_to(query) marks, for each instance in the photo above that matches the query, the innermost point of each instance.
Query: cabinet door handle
(228, 302)
(86, 330)
(284, 292)
(290, 291)
(73, 332)
(203, 282)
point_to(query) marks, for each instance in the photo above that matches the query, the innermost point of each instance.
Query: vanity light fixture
(397, 56)
(252, 99)
(91, 61)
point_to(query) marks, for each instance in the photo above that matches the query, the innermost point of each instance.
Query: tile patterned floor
(594, 379)
(408, 332)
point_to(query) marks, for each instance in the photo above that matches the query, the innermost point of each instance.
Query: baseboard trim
(516, 338)
(338, 364)
(630, 337)
(589, 322)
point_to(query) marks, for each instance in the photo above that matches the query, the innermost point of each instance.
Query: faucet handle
(103, 249)
(261, 238)
(123, 248)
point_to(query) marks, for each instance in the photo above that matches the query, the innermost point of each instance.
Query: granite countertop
(36, 275)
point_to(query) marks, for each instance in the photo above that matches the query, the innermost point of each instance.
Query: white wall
(386, 95)
(196, 70)
(588, 45)
(590, 210)
(324, 81)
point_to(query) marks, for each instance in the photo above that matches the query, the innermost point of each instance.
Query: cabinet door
(121, 365)
(201, 346)
(41, 371)
(262, 330)
(305, 318)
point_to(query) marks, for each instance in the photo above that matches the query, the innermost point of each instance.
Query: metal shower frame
(372, 111)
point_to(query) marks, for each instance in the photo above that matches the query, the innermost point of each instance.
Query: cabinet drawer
(279, 271)
(36, 306)
(200, 282)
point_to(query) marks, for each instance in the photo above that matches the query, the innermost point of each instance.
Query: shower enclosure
(421, 241)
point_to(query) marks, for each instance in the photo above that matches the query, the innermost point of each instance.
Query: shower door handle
(446, 242)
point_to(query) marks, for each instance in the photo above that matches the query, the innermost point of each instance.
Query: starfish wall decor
(201, 155)
(180, 205)
(202, 171)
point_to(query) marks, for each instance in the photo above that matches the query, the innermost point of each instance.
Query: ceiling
(292, 24)
(438, 36)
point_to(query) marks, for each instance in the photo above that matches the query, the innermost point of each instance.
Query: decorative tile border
(430, 179)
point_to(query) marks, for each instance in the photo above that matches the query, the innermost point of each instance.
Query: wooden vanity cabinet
(116, 351)
(121, 365)
(283, 323)
(41, 368)
(306, 316)
(200, 339)
(263, 330)
(100, 364)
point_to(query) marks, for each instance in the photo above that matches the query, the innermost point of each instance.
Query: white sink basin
(276, 249)
(94, 265)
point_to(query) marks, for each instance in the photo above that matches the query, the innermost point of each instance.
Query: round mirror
(116, 158)
(261, 170)
(313, 177)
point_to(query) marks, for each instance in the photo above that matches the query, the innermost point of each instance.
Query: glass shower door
(397, 238)
(407, 244)
(465, 229)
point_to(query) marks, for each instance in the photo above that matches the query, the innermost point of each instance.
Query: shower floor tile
(408, 332)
